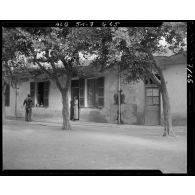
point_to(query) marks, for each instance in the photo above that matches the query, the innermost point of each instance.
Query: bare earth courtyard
(43, 145)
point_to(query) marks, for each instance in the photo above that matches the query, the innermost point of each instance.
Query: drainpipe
(16, 94)
(119, 95)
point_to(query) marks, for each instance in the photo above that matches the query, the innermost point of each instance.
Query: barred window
(41, 91)
(81, 92)
(95, 92)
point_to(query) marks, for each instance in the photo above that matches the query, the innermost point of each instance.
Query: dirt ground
(43, 145)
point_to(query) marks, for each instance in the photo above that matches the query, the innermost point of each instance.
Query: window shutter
(81, 92)
(32, 91)
(46, 93)
(95, 92)
(7, 95)
(100, 91)
(90, 92)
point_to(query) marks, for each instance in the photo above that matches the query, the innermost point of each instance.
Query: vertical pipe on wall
(69, 98)
(16, 99)
(85, 93)
(119, 95)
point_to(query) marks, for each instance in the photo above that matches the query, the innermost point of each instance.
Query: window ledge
(40, 106)
(93, 107)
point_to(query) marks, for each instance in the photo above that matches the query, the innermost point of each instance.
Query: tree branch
(43, 68)
(58, 84)
(154, 78)
(156, 66)
(10, 75)
(155, 63)
(65, 64)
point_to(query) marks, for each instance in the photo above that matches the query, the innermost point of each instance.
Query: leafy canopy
(57, 50)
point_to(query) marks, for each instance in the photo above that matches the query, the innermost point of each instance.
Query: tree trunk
(63, 85)
(165, 98)
(65, 111)
(166, 106)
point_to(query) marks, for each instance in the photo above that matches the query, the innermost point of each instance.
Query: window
(77, 89)
(46, 93)
(100, 88)
(81, 92)
(91, 92)
(40, 93)
(7, 95)
(152, 96)
(95, 92)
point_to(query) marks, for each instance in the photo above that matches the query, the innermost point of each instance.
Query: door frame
(145, 106)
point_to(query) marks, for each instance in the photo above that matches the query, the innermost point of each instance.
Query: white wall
(176, 78)
(9, 110)
(55, 101)
(133, 109)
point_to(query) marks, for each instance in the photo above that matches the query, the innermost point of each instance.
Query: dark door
(152, 106)
(74, 92)
(74, 89)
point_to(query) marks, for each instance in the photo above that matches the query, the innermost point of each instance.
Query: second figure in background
(74, 111)
(76, 108)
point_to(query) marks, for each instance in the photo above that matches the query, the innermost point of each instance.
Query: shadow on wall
(128, 113)
(140, 118)
(44, 114)
(177, 120)
(95, 116)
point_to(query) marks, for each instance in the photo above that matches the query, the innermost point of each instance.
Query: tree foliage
(137, 47)
(57, 52)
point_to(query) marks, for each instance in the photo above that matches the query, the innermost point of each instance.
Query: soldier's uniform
(28, 108)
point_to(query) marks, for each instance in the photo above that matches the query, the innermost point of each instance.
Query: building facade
(141, 102)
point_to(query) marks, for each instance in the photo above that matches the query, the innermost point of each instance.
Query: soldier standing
(28, 108)
(72, 110)
(76, 108)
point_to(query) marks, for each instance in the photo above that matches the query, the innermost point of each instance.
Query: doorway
(74, 89)
(74, 93)
(40, 93)
(152, 106)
